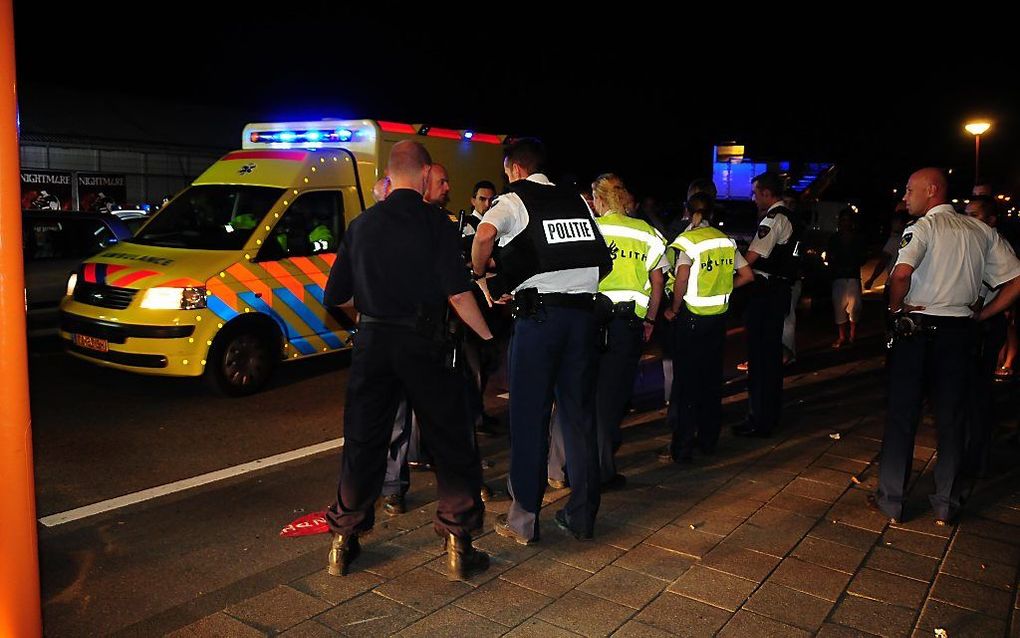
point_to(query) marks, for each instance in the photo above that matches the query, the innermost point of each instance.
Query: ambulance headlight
(174, 298)
(72, 281)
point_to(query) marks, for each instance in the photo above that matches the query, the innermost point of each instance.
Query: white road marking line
(186, 484)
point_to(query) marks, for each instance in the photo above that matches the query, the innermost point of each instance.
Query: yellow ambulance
(227, 279)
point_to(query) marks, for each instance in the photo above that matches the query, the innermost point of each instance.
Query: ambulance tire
(242, 359)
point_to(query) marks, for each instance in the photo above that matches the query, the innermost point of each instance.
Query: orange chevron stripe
(219, 289)
(313, 272)
(280, 274)
(127, 280)
(329, 258)
(247, 277)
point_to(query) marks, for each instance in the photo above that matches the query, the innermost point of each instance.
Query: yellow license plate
(92, 343)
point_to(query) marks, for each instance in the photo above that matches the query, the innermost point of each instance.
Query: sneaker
(503, 528)
(393, 504)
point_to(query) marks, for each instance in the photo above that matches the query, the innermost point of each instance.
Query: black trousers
(390, 362)
(766, 309)
(981, 421)
(697, 382)
(940, 360)
(614, 386)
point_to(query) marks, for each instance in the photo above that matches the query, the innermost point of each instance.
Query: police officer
(481, 201)
(943, 259)
(773, 256)
(481, 366)
(634, 288)
(551, 258)
(708, 268)
(399, 351)
(992, 335)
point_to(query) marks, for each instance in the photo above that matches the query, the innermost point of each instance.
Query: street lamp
(977, 128)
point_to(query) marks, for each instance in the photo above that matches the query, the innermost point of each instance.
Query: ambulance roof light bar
(329, 133)
(303, 138)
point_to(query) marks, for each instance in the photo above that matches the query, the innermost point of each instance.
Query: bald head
(926, 189)
(437, 191)
(408, 166)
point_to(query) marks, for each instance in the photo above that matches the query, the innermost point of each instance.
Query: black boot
(342, 552)
(463, 560)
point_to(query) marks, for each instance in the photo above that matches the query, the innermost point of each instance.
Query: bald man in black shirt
(400, 261)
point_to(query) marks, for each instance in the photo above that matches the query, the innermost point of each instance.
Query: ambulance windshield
(210, 217)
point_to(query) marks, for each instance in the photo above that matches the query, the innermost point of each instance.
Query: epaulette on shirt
(771, 214)
(907, 236)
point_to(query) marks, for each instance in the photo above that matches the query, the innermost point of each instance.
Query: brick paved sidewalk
(766, 538)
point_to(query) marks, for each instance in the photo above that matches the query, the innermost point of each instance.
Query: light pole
(977, 128)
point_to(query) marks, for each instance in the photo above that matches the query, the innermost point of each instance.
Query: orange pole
(20, 613)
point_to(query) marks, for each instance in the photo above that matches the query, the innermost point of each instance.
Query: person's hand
(648, 328)
(485, 290)
(481, 283)
(907, 308)
(669, 314)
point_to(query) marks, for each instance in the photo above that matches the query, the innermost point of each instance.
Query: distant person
(708, 268)
(845, 256)
(773, 256)
(887, 256)
(991, 342)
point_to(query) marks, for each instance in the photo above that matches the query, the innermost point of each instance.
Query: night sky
(606, 91)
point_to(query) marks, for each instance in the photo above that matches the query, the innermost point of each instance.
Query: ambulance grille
(104, 296)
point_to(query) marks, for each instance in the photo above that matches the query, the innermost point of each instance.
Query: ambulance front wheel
(241, 360)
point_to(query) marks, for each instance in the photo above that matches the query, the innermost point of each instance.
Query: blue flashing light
(307, 138)
(468, 134)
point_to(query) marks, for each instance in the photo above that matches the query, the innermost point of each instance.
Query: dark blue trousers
(766, 309)
(941, 360)
(552, 356)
